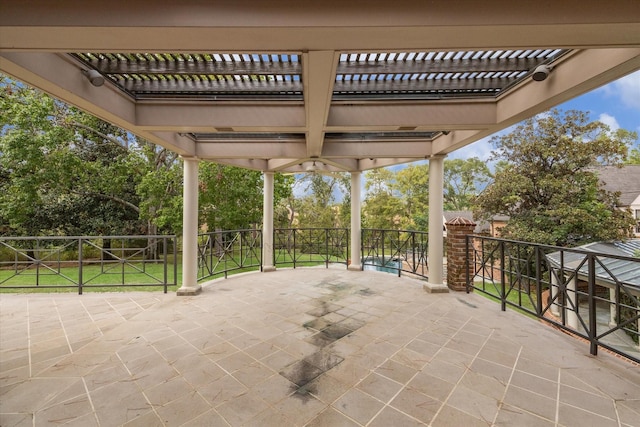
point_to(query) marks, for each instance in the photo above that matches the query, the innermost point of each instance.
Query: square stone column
(457, 231)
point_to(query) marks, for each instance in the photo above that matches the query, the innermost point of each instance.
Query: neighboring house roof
(449, 215)
(624, 270)
(625, 180)
(481, 225)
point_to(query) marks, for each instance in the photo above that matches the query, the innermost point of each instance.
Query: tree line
(64, 172)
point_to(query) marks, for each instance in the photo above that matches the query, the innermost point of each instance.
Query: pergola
(334, 86)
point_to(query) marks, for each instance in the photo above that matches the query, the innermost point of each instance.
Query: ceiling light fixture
(312, 168)
(94, 77)
(541, 72)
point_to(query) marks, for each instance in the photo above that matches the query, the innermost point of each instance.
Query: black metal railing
(310, 246)
(593, 295)
(224, 252)
(84, 262)
(395, 251)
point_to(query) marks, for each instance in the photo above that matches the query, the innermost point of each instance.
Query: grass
(106, 278)
(130, 276)
(525, 305)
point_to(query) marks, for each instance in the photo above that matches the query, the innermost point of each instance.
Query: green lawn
(513, 297)
(109, 277)
(130, 276)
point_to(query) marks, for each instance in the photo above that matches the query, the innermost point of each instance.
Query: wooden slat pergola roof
(277, 87)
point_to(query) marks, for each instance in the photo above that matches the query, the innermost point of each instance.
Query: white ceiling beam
(347, 165)
(433, 116)
(187, 147)
(290, 117)
(253, 164)
(205, 117)
(318, 78)
(283, 164)
(377, 148)
(329, 25)
(256, 150)
(349, 38)
(367, 164)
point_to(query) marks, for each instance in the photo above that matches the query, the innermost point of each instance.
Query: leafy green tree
(159, 188)
(65, 172)
(231, 197)
(318, 207)
(634, 156)
(463, 181)
(411, 184)
(381, 208)
(68, 172)
(548, 186)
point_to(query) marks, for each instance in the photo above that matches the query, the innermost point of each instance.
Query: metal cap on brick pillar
(457, 231)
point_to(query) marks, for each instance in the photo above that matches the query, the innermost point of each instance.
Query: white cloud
(480, 149)
(610, 121)
(627, 89)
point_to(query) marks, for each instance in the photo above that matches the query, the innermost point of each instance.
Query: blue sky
(617, 104)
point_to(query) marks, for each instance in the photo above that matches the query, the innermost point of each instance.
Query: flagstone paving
(314, 347)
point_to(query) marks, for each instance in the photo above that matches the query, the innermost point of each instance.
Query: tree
(231, 197)
(634, 156)
(318, 207)
(65, 172)
(463, 181)
(68, 172)
(412, 186)
(548, 186)
(382, 209)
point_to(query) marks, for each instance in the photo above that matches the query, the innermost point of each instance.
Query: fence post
(503, 291)
(362, 256)
(80, 266)
(591, 260)
(165, 262)
(36, 257)
(539, 282)
(398, 245)
(295, 233)
(458, 230)
(326, 247)
(175, 260)
(382, 261)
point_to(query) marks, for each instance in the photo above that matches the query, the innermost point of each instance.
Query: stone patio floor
(314, 347)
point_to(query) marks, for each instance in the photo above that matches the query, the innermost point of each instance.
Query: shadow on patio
(312, 346)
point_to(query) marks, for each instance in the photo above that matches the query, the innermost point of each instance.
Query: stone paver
(316, 347)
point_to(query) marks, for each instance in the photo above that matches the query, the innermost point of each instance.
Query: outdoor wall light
(94, 77)
(541, 72)
(312, 168)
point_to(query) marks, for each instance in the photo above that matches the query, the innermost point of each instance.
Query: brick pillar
(457, 230)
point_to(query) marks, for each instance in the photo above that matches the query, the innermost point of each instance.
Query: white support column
(554, 292)
(356, 227)
(613, 313)
(436, 236)
(190, 284)
(572, 304)
(267, 224)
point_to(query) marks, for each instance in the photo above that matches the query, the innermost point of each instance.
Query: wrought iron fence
(224, 252)
(87, 261)
(395, 251)
(593, 295)
(310, 246)
(84, 262)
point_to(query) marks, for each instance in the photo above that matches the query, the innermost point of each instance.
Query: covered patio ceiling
(344, 87)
